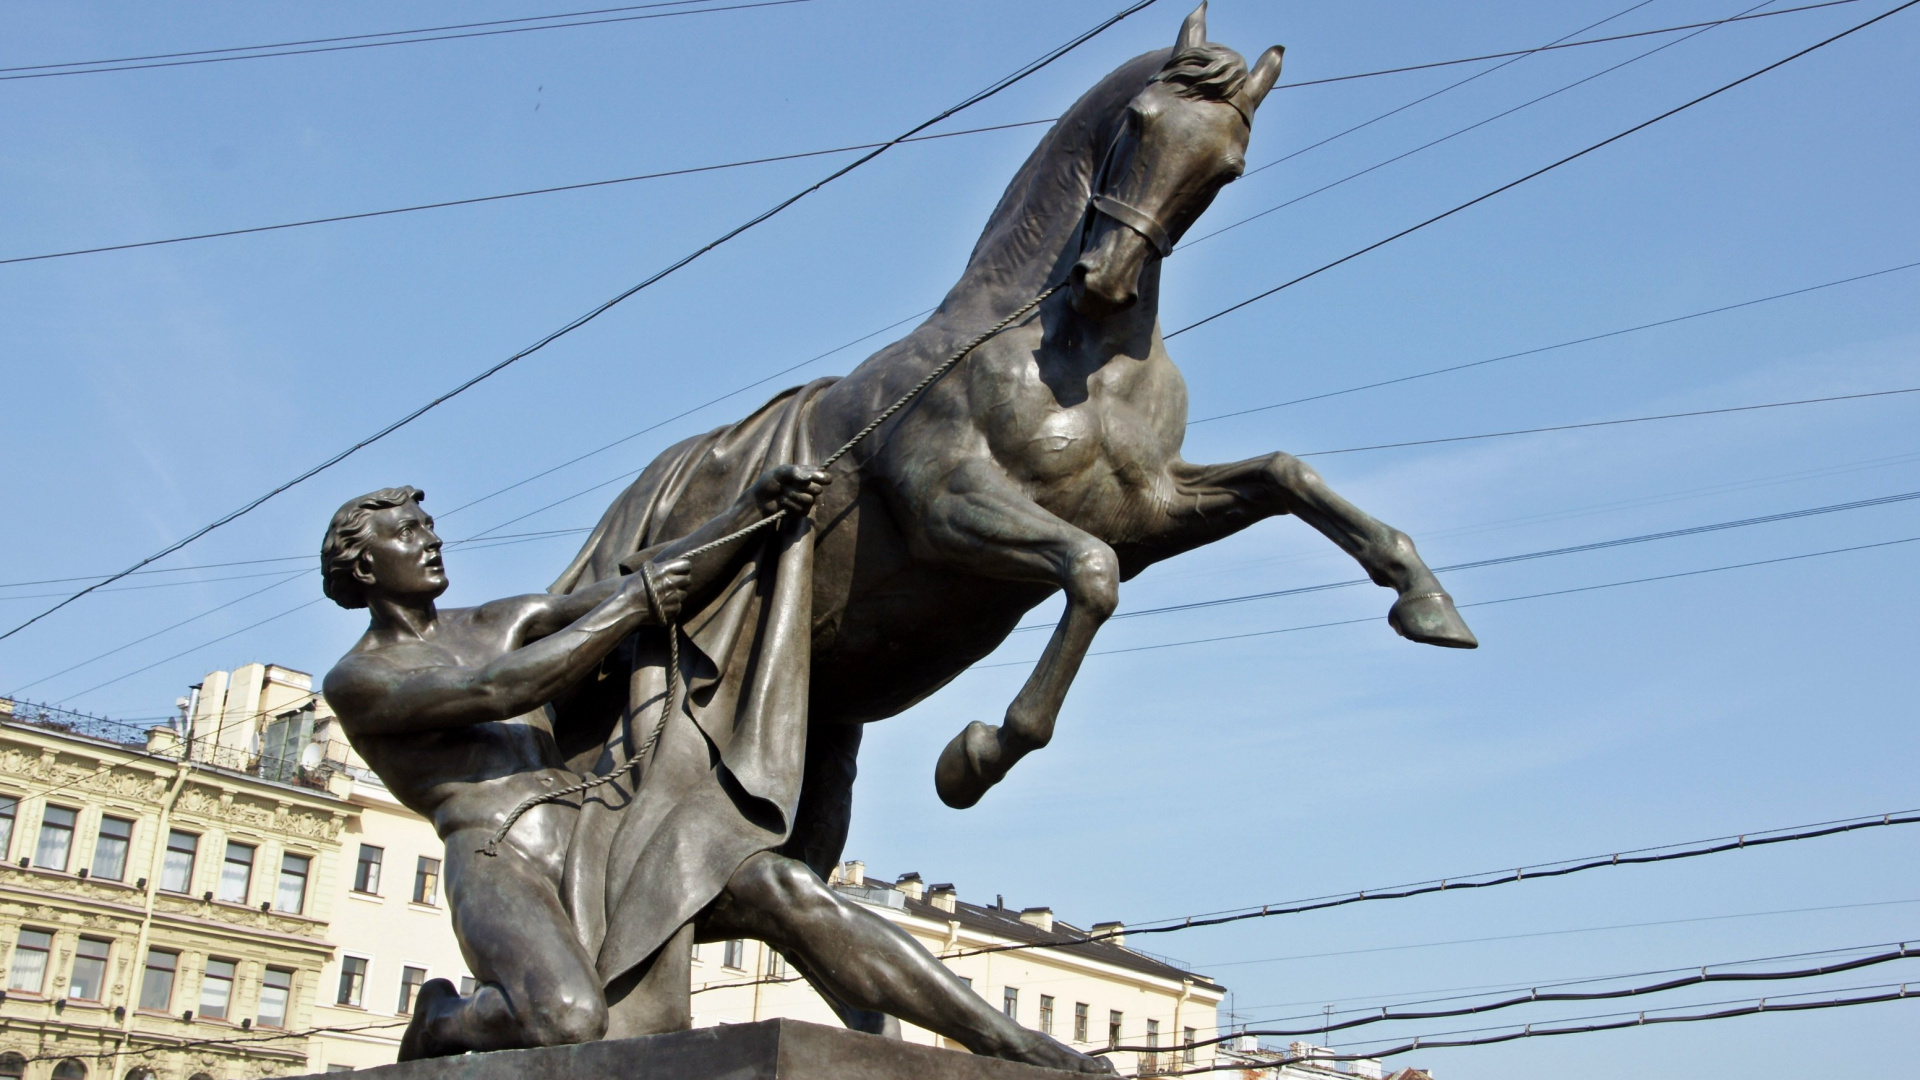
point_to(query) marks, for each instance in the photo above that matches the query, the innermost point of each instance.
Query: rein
(492, 847)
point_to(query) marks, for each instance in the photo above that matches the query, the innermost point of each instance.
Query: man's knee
(775, 885)
(571, 1018)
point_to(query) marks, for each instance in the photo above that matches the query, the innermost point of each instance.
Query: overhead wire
(1527, 556)
(1573, 590)
(974, 99)
(348, 37)
(585, 185)
(1451, 135)
(1388, 1013)
(1889, 992)
(195, 61)
(1543, 170)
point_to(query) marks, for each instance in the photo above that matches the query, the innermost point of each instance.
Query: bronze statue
(1048, 460)
(975, 482)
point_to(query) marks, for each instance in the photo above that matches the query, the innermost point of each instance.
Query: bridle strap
(1136, 219)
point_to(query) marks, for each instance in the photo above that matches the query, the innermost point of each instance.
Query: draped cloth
(725, 780)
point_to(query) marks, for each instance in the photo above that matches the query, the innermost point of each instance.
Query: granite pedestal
(768, 1050)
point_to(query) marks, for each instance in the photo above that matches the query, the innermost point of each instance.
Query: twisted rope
(492, 846)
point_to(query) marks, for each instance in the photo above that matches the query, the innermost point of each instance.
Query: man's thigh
(512, 926)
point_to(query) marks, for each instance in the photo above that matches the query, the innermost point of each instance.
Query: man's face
(403, 555)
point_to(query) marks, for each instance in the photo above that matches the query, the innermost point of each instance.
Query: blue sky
(152, 390)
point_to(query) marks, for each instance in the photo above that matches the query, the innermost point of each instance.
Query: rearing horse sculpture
(1049, 459)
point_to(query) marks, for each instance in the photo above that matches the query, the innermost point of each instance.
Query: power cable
(1479, 880)
(1529, 556)
(346, 37)
(1480, 603)
(1543, 170)
(1891, 992)
(478, 199)
(1467, 993)
(864, 146)
(236, 1040)
(1454, 134)
(1451, 368)
(596, 312)
(1387, 1014)
(1615, 422)
(203, 59)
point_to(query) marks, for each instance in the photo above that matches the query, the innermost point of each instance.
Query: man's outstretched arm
(376, 693)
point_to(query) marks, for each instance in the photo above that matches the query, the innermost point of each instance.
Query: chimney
(942, 896)
(1041, 917)
(163, 742)
(1111, 932)
(856, 873)
(911, 885)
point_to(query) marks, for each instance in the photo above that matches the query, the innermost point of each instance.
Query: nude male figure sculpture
(447, 707)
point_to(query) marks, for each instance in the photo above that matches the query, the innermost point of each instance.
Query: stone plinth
(768, 1050)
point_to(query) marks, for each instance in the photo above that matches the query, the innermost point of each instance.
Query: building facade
(160, 918)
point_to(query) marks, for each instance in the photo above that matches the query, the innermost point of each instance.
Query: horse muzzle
(1106, 280)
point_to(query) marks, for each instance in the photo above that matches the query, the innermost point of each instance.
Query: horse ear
(1193, 32)
(1261, 79)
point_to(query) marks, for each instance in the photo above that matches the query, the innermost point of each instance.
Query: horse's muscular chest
(1077, 435)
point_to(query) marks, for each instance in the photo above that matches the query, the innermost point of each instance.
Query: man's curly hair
(346, 538)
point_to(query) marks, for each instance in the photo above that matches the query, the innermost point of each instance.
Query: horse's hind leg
(1210, 502)
(981, 523)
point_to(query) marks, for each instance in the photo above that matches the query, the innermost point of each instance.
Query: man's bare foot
(413, 1045)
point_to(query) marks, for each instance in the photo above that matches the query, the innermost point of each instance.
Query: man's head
(382, 542)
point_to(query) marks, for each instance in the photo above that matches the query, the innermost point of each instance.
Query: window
(426, 880)
(1046, 1014)
(410, 980)
(353, 981)
(1150, 1062)
(236, 873)
(89, 970)
(1010, 1003)
(292, 897)
(339, 1068)
(216, 989)
(968, 981)
(156, 983)
(70, 1069)
(142, 1073)
(110, 848)
(276, 988)
(1113, 1028)
(1079, 1021)
(468, 986)
(9, 809)
(1187, 1036)
(776, 964)
(12, 1066)
(30, 961)
(366, 874)
(56, 838)
(176, 869)
(734, 955)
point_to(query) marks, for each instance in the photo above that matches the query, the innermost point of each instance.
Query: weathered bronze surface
(1047, 460)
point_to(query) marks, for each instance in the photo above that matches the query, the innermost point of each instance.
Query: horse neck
(1033, 235)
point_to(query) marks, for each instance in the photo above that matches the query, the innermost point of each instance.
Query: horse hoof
(960, 777)
(1431, 619)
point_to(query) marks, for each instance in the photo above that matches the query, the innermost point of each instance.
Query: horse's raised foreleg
(1209, 502)
(980, 522)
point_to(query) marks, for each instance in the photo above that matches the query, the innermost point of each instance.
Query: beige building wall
(119, 957)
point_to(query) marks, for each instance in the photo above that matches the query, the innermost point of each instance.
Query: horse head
(1182, 139)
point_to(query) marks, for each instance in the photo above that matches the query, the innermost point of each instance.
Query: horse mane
(1207, 72)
